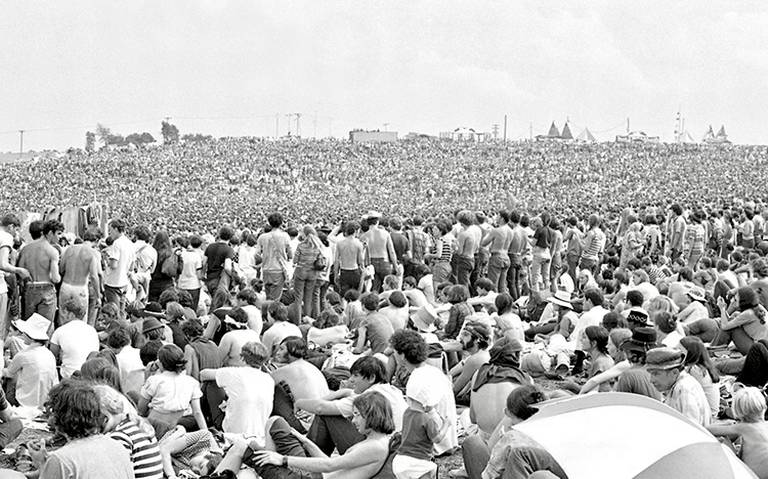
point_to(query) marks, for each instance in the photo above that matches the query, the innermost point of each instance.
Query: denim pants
(498, 267)
(40, 299)
(464, 267)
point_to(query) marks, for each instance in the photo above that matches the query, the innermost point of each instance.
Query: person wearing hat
(475, 338)
(566, 317)
(635, 378)
(743, 322)
(237, 335)
(682, 391)
(381, 250)
(696, 308)
(33, 368)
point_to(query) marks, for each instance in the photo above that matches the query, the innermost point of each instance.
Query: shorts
(407, 467)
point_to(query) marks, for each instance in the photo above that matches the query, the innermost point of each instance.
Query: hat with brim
(696, 294)
(424, 319)
(36, 327)
(642, 339)
(661, 359)
(151, 324)
(561, 298)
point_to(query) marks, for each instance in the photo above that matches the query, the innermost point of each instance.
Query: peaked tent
(586, 136)
(721, 132)
(710, 134)
(566, 135)
(553, 131)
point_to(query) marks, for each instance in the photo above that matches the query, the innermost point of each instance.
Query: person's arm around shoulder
(361, 454)
(208, 375)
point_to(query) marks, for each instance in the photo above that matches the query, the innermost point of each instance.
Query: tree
(139, 139)
(90, 142)
(116, 140)
(170, 132)
(103, 133)
(196, 138)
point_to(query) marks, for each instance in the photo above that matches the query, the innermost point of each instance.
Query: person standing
(9, 225)
(468, 241)
(592, 246)
(41, 259)
(120, 258)
(350, 259)
(218, 261)
(518, 247)
(572, 240)
(81, 273)
(275, 250)
(380, 250)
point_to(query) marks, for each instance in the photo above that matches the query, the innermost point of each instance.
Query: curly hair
(192, 328)
(74, 409)
(410, 344)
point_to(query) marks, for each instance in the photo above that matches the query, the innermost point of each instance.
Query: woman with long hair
(307, 261)
(743, 322)
(700, 366)
(599, 358)
(160, 281)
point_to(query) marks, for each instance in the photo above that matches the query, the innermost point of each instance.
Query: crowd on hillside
(368, 348)
(193, 186)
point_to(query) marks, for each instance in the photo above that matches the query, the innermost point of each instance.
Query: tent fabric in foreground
(621, 435)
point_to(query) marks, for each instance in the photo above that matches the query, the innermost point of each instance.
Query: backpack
(172, 265)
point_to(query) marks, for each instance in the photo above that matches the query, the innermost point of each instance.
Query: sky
(231, 68)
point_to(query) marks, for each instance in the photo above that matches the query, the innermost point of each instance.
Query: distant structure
(586, 136)
(721, 138)
(419, 136)
(681, 134)
(636, 137)
(556, 135)
(467, 135)
(375, 136)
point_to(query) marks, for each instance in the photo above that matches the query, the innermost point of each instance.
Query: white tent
(586, 136)
(629, 436)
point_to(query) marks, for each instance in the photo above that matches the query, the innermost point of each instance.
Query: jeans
(540, 271)
(4, 322)
(318, 297)
(40, 299)
(115, 295)
(212, 398)
(195, 293)
(498, 267)
(348, 279)
(480, 269)
(464, 267)
(330, 432)
(285, 444)
(588, 264)
(382, 268)
(693, 259)
(706, 329)
(475, 452)
(274, 281)
(94, 303)
(9, 431)
(303, 287)
(513, 275)
(524, 461)
(441, 272)
(573, 262)
(740, 339)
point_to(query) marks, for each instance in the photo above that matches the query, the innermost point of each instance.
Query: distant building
(466, 134)
(362, 136)
(636, 137)
(419, 136)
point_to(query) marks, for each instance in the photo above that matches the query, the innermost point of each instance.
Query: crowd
(357, 346)
(194, 186)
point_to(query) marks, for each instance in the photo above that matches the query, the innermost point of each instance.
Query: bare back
(77, 264)
(41, 260)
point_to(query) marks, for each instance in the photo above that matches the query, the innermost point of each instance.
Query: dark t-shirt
(400, 243)
(378, 330)
(217, 253)
(419, 431)
(543, 237)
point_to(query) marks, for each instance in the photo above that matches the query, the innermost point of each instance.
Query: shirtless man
(304, 379)
(499, 240)
(41, 259)
(380, 250)
(349, 259)
(9, 225)
(79, 264)
(468, 241)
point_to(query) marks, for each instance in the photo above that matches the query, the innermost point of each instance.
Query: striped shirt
(594, 243)
(145, 454)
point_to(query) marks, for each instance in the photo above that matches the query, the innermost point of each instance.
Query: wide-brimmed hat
(697, 294)
(36, 327)
(664, 358)
(643, 339)
(424, 319)
(151, 324)
(561, 298)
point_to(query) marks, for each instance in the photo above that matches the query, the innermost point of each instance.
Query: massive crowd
(314, 335)
(191, 186)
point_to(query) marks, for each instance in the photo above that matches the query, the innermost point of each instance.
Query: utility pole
(21, 143)
(288, 118)
(627, 125)
(495, 130)
(505, 128)
(298, 125)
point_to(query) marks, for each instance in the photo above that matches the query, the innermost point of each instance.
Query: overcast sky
(227, 68)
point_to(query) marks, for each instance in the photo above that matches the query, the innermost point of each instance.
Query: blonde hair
(110, 400)
(749, 405)
(661, 303)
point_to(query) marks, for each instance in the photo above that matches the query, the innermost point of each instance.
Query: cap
(664, 358)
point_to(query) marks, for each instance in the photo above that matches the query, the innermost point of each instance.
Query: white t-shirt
(250, 394)
(131, 369)
(255, 322)
(6, 241)
(279, 331)
(124, 252)
(193, 261)
(77, 339)
(170, 392)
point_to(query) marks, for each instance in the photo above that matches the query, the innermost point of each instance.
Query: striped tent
(621, 435)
